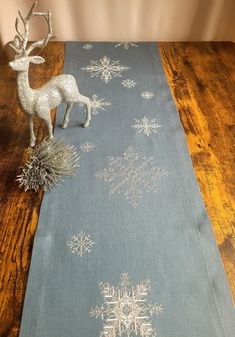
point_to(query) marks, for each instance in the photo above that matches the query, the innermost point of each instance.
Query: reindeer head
(19, 44)
(22, 63)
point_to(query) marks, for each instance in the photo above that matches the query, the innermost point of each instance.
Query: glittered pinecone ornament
(50, 161)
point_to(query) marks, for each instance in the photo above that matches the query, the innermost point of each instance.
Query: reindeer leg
(50, 129)
(86, 100)
(66, 115)
(49, 126)
(32, 135)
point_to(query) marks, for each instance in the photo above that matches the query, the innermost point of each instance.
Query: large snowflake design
(87, 147)
(131, 175)
(126, 311)
(81, 244)
(105, 69)
(146, 126)
(126, 45)
(147, 94)
(129, 83)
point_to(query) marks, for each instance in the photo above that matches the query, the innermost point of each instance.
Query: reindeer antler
(20, 41)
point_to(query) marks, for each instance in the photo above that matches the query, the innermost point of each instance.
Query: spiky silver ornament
(50, 162)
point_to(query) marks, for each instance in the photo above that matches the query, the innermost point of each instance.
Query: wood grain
(18, 210)
(201, 77)
(202, 80)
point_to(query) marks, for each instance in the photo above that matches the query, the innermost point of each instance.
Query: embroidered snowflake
(81, 244)
(105, 69)
(87, 46)
(126, 310)
(146, 126)
(97, 104)
(126, 45)
(87, 147)
(129, 83)
(147, 94)
(131, 175)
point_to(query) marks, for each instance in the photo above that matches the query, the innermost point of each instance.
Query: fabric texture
(125, 248)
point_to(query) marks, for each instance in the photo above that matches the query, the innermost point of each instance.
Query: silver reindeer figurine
(60, 88)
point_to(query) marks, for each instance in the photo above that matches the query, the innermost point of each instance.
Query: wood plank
(201, 76)
(18, 210)
(202, 80)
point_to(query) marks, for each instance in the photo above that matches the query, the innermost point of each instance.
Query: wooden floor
(202, 80)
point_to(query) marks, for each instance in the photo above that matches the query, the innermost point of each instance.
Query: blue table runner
(125, 248)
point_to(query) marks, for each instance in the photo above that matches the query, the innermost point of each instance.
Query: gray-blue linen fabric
(125, 247)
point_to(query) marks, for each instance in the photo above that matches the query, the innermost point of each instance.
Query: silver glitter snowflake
(105, 69)
(87, 147)
(81, 244)
(126, 45)
(129, 83)
(97, 104)
(146, 126)
(131, 175)
(126, 311)
(87, 46)
(147, 94)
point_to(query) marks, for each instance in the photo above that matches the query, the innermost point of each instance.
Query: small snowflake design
(87, 147)
(81, 244)
(147, 95)
(146, 126)
(126, 310)
(105, 69)
(97, 104)
(131, 175)
(129, 83)
(126, 45)
(87, 46)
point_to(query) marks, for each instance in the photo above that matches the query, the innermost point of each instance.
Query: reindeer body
(61, 88)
